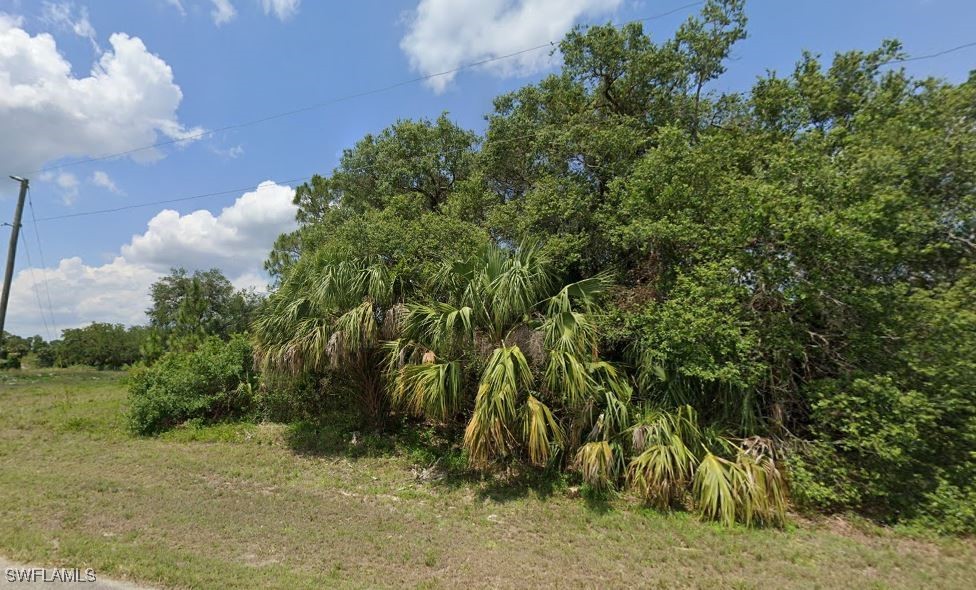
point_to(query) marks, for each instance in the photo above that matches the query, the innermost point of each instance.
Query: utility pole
(12, 252)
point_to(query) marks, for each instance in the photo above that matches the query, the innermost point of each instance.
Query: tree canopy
(787, 274)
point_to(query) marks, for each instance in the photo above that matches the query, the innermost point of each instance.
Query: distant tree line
(186, 309)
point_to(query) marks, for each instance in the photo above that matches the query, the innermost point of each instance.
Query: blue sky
(222, 62)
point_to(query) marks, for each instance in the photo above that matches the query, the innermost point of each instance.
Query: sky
(82, 79)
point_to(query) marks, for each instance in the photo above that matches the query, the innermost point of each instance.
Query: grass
(265, 505)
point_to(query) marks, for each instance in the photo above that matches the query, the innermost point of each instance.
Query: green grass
(245, 505)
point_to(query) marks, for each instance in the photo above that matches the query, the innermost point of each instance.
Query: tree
(504, 333)
(385, 197)
(553, 149)
(188, 308)
(101, 345)
(792, 267)
(332, 312)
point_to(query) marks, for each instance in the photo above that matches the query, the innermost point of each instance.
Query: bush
(101, 345)
(875, 430)
(288, 398)
(213, 383)
(11, 362)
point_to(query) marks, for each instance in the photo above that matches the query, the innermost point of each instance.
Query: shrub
(293, 398)
(101, 345)
(213, 383)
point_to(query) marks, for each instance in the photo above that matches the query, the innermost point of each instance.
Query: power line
(368, 167)
(40, 252)
(37, 296)
(348, 97)
(252, 186)
(163, 202)
(387, 88)
(931, 55)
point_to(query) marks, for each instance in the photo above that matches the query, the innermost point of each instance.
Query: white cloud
(127, 101)
(445, 34)
(232, 240)
(283, 9)
(68, 183)
(102, 179)
(61, 15)
(178, 5)
(237, 241)
(231, 153)
(116, 292)
(223, 12)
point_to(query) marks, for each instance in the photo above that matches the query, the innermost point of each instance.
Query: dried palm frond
(540, 431)
(595, 462)
(714, 490)
(429, 389)
(662, 472)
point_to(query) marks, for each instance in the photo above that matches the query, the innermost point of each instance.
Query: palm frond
(571, 332)
(650, 370)
(488, 434)
(760, 484)
(438, 326)
(540, 431)
(583, 293)
(662, 472)
(568, 377)
(714, 489)
(430, 389)
(355, 330)
(594, 460)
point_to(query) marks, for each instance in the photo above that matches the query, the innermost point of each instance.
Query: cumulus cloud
(237, 240)
(282, 9)
(116, 292)
(127, 101)
(223, 12)
(233, 240)
(445, 34)
(102, 179)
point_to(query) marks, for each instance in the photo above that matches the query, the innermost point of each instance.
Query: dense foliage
(106, 346)
(212, 383)
(187, 309)
(100, 345)
(16, 351)
(716, 282)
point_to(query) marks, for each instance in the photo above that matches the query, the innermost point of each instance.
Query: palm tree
(332, 312)
(728, 480)
(503, 331)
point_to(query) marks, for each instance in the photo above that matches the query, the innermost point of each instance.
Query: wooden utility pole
(12, 252)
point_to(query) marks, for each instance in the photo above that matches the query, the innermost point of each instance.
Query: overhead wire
(336, 100)
(930, 55)
(368, 167)
(40, 253)
(37, 296)
(253, 186)
(347, 97)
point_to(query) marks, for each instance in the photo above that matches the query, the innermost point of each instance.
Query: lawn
(241, 506)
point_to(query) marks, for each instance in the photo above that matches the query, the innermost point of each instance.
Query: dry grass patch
(237, 506)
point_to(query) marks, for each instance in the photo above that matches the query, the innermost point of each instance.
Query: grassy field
(241, 506)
